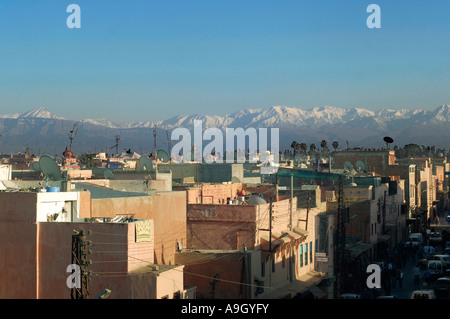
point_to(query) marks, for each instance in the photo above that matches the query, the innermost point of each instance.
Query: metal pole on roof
(270, 226)
(292, 204)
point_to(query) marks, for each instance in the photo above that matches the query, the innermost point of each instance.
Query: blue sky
(149, 60)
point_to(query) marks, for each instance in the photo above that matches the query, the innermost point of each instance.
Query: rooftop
(103, 192)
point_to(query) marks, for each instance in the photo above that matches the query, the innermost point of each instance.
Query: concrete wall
(221, 226)
(227, 267)
(374, 161)
(115, 253)
(205, 173)
(212, 193)
(167, 209)
(18, 251)
(5, 172)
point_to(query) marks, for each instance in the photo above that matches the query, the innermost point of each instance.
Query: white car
(435, 238)
(415, 238)
(423, 294)
(445, 259)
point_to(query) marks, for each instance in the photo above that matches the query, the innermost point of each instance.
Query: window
(263, 269)
(306, 254)
(310, 252)
(301, 255)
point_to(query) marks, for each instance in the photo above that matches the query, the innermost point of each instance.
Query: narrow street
(408, 285)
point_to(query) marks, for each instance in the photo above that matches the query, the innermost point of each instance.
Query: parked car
(387, 297)
(423, 263)
(416, 239)
(435, 268)
(445, 259)
(435, 238)
(442, 287)
(447, 244)
(350, 296)
(423, 294)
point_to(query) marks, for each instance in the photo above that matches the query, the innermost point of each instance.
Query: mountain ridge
(48, 132)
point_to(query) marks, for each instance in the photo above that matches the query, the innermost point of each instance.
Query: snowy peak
(40, 112)
(276, 116)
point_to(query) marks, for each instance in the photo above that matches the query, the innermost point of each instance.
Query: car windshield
(441, 283)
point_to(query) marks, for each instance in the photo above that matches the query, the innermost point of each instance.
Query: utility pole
(339, 263)
(308, 203)
(384, 213)
(213, 284)
(80, 250)
(270, 225)
(154, 138)
(169, 142)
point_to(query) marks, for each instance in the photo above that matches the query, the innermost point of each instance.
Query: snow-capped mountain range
(276, 116)
(358, 126)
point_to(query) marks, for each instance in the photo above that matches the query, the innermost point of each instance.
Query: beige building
(242, 254)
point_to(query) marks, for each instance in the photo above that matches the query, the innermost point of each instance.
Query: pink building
(36, 244)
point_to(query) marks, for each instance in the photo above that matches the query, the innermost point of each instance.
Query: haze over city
(150, 61)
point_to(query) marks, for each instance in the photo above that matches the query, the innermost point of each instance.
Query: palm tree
(294, 146)
(312, 148)
(335, 145)
(303, 147)
(324, 144)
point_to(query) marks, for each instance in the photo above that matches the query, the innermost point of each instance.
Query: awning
(265, 242)
(285, 237)
(300, 231)
(358, 248)
(304, 283)
(382, 238)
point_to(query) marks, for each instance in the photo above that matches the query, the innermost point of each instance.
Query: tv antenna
(169, 142)
(72, 135)
(117, 144)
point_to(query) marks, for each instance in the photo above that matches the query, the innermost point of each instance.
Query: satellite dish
(108, 174)
(145, 163)
(235, 179)
(256, 200)
(163, 156)
(388, 141)
(35, 166)
(348, 165)
(49, 167)
(360, 166)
